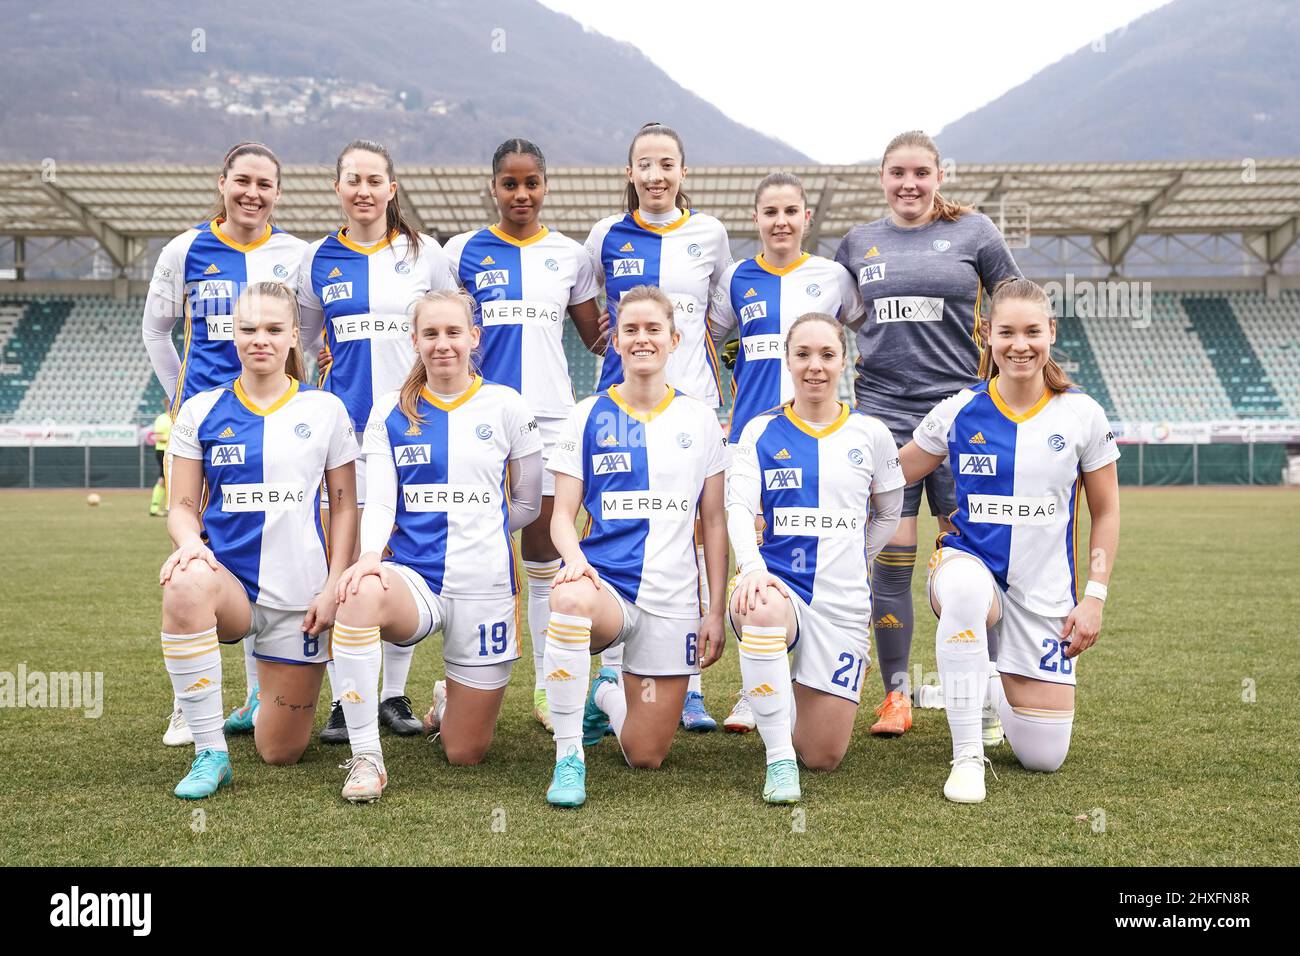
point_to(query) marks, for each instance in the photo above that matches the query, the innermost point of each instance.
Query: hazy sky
(881, 68)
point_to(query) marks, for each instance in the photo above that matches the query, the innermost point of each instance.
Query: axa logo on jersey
(629, 267)
(336, 292)
(411, 455)
(977, 465)
(755, 310)
(491, 277)
(611, 463)
(777, 479)
(227, 455)
(871, 273)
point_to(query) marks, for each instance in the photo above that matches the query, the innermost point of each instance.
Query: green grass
(1186, 772)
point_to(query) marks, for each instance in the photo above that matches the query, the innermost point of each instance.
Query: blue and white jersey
(1018, 479)
(201, 274)
(685, 259)
(766, 301)
(263, 468)
(522, 290)
(813, 488)
(364, 295)
(453, 472)
(642, 476)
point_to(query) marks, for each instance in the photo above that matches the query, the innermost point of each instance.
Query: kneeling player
(811, 471)
(640, 457)
(1020, 444)
(453, 466)
(261, 444)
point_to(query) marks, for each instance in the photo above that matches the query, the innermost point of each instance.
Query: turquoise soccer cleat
(782, 783)
(240, 720)
(208, 774)
(595, 722)
(569, 782)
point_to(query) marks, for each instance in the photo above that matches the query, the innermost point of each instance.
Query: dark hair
(830, 320)
(1024, 290)
(241, 149)
(520, 147)
(682, 201)
(780, 179)
(393, 217)
(294, 366)
(943, 208)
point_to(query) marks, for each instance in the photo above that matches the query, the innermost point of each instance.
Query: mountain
(438, 81)
(1196, 79)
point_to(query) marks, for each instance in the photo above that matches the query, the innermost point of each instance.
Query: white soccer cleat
(741, 719)
(929, 697)
(966, 781)
(178, 733)
(366, 778)
(991, 730)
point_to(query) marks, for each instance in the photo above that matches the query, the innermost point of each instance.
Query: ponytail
(394, 221)
(1024, 290)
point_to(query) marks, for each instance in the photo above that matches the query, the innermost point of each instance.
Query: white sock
(765, 670)
(611, 698)
(1040, 739)
(965, 592)
(250, 667)
(193, 663)
(567, 661)
(993, 694)
(356, 661)
(397, 664)
(693, 685)
(334, 683)
(540, 575)
(612, 657)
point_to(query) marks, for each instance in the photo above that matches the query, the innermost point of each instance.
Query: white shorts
(278, 636)
(656, 646)
(359, 464)
(476, 632)
(549, 429)
(1028, 644)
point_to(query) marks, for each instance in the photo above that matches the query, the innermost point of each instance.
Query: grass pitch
(1183, 750)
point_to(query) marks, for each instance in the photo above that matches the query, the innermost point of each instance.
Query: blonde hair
(648, 293)
(1021, 290)
(409, 397)
(294, 366)
(943, 208)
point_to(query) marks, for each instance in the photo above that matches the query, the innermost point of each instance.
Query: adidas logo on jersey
(873, 251)
(413, 430)
(608, 441)
(228, 433)
(782, 455)
(977, 439)
(351, 697)
(888, 621)
(211, 270)
(627, 247)
(334, 273)
(751, 293)
(962, 637)
(488, 261)
(560, 674)
(762, 690)
(199, 684)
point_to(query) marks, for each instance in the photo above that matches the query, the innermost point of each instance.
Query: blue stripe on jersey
(617, 548)
(210, 296)
(349, 374)
(1070, 530)
(991, 543)
(490, 270)
(235, 537)
(757, 384)
(783, 447)
(419, 538)
(630, 256)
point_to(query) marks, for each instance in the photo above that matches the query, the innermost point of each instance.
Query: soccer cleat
(542, 709)
(395, 714)
(895, 715)
(433, 719)
(991, 731)
(694, 716)
(366, 778)
(208, 774)
(569, 782)
(335, 730)
(240, 720)
(929, 697)
(782, 783)
(966, 781)
(741, 719)
(178, 733)
(595, 722)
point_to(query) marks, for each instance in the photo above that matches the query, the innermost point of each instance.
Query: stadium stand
(31, 327)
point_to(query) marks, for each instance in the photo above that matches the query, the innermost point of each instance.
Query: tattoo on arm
(188, 502)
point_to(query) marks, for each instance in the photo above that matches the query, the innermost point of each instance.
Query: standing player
(1023, 443)
(818, 476)
(641, 458)
(260, 447)
(922, 271)
(661, 241)
(523, 278)
(454, 466)
(764, 296)
(198, 278)
(359, 284)
(161, 432)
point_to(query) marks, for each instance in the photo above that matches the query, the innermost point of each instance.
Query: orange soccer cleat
(895, 715)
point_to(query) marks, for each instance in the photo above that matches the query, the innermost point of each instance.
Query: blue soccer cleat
(595, 722)
(782, 783)
(695, 717)
(569, 782)
(240, 720)
(208, 774)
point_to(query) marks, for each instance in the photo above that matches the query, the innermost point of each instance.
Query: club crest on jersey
(977, 465)
(402, 268)
(227, 454)
(301, 430)
(335, 273)
(871, 273)
(776, 479)
(629, 267)
(976, 439)
(484, 431)
(855, 456)
(552, 265)
(228, 433)
(941, 245)
(490, 277)
(336, 292)
(782, 455)
(1057, 442)
(755, 310)
(611, 463)
(871, 253)
(280, 271)
(813, 289)
(684, 439)
(411, 455)
(694, 250)
(750, 294)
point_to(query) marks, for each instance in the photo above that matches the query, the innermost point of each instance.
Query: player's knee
(1040, 739)
(822, 758)
(771, 614)
(644, 755)
(464, 753)
(280, 753)
(572, 598)
(189, 590)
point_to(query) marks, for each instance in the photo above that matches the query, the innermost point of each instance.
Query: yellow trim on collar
(438, 403)
(221, 237)
(773, 270)
(364, 250)
(642, 417)
(539, 235)
(275, 406)
(807, 429)
(660, 230)
(1015, 416)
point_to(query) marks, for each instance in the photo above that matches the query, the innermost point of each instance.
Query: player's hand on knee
(752, 591)
(1082, 627)
(712, 639)
(576, 572)
(182, 556)
(350, 580)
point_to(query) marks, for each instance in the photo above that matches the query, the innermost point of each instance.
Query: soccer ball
(93, 500)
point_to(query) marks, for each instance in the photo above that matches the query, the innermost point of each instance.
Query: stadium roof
(123, 206)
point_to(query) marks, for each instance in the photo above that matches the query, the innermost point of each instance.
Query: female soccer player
(764, 296)
(359, 284)
(259, 446)
(661, 241)
(199, 277)
(1021, 443)
(454, 466)
(922, 271)
(523, 278)
(818, 476)
(641, 458)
